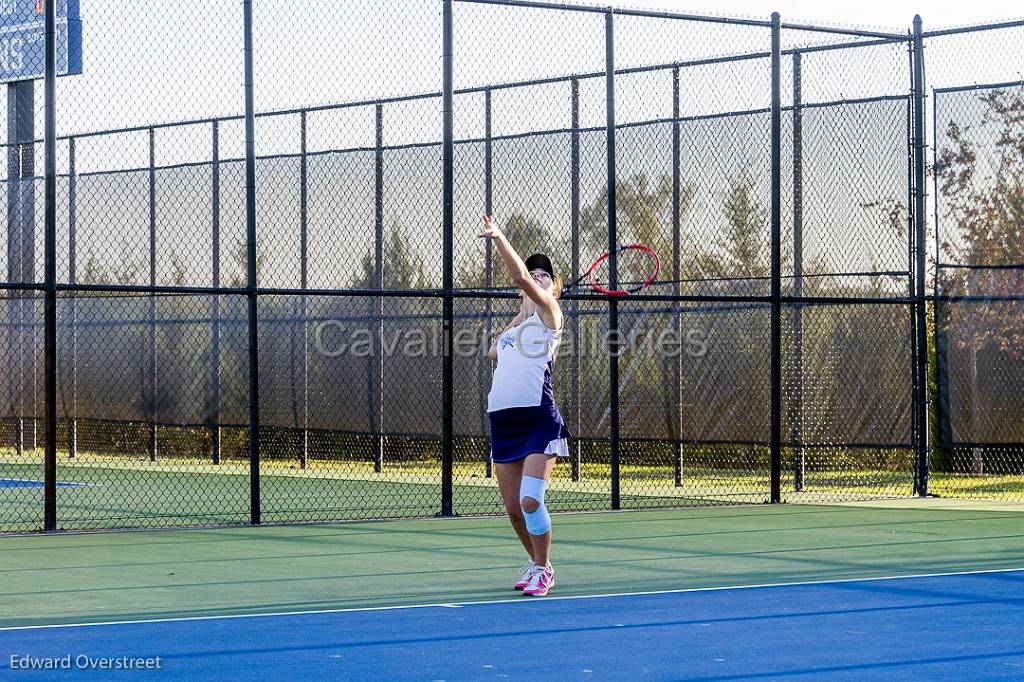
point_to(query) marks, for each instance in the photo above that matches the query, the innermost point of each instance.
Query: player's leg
(510, 476)
(536, 475)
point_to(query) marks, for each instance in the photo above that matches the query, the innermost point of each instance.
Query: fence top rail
(664, 14)
(1013, 23)
(978, 86)
(974, 266)
(623, 11)
(837, 30)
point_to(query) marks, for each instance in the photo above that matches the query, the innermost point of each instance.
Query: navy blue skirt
(520, 431)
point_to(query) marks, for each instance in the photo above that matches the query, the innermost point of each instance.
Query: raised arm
(547, 307)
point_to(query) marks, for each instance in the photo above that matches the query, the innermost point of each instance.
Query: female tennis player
(527, 432)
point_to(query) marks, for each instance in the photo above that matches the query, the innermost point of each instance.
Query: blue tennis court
(955, 626)
(34, 483)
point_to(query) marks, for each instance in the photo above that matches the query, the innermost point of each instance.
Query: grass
(131, 491)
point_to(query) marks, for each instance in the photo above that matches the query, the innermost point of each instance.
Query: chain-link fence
(248, 284)
(978, 187)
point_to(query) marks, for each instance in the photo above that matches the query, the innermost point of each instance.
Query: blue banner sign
(22, 42)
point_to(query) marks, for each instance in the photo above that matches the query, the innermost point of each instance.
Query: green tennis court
(94, 577)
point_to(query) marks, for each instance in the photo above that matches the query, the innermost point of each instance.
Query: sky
(169, 60)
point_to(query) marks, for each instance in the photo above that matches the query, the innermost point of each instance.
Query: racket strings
(636, 267)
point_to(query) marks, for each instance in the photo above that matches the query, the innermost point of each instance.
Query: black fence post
(912, 267)
(153, 387)
(21, 255)
(28, 216)
(488, 265)
(250, 227)
(72, 371)
(377, 362)
(776, 264)
(12, 353)
(576, 456)
(613, 304)
(796, 410)
(447, 229)
(215, 371)
(50, 271)
(940, 312)
(677, 318)
(921, 408)
(304, 285)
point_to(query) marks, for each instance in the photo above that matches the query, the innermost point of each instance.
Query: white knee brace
(538, 522)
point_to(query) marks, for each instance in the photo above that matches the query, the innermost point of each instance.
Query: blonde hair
(556, 288)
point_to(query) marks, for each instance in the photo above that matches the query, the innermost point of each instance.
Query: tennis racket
(638, 266)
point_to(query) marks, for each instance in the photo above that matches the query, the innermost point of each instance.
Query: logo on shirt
(508, 339)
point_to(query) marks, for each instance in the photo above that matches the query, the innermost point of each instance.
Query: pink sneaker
(543, 579)
(525, 575)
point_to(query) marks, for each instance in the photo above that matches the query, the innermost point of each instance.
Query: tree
(741, 249)
(988, 211)
(644, 216)
(126, 270)
(982, 188)
(402, 267)
(239, 277)
(894, 216)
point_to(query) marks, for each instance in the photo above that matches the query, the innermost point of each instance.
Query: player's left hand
(491, 229)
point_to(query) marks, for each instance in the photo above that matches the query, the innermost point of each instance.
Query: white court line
(514, 600)
(36, 483)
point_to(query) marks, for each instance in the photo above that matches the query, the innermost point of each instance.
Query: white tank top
(526, 356)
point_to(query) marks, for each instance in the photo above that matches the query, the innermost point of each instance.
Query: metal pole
(73, 300)
(911, 264)
(377, 362)
(574, 267)
(488, 266)
(677, 318)
(921, 409)
(12, 351)
(27, 215)
(940, 318)
(253, 318)
(613, 305)
(152, 299)
(215, 428)
(21, 248)
(448, 228)
(304, 284)
(796, 414)
(776, 265)
(50, 272)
